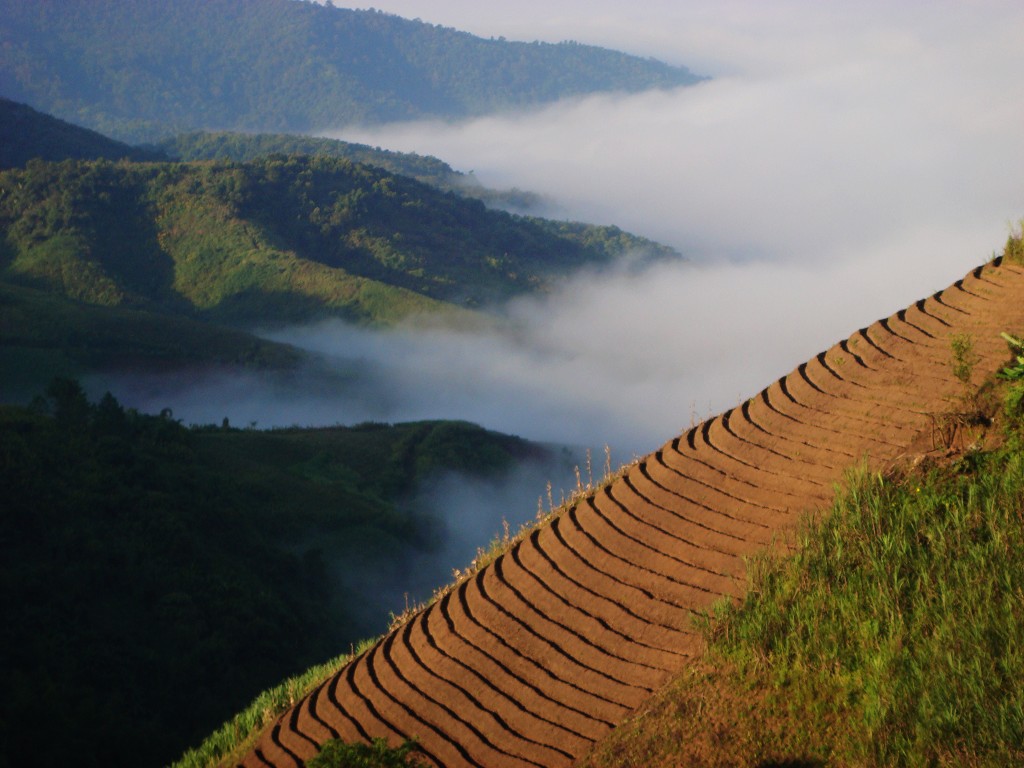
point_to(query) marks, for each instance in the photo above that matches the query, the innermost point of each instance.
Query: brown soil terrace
(544, 651)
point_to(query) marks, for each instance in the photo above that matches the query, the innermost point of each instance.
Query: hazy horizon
(844, 162)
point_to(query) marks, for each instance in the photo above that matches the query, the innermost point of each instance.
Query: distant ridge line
(596, 604)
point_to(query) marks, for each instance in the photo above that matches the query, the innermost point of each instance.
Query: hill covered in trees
(242, 147)
(143, 69)
(276, 240)
(112, 264)
(150, 570)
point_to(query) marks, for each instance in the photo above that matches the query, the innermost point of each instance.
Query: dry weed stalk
(504, 543)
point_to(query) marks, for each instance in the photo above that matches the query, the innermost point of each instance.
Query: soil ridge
(560, 638)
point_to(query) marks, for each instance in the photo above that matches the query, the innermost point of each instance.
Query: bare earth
(547, 649)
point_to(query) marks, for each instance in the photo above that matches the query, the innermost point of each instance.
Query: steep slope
(141, 69)
(535, 657)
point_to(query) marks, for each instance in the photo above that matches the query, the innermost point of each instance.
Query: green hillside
(123, 264)
(156, 577)
(142, 69)
(277, 240)
(43, 335)
(243, 147)
(26, 133)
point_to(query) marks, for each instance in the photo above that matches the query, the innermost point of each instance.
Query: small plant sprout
(1016, 371)
(1014, 249)
(1014, 402)
(964, 356)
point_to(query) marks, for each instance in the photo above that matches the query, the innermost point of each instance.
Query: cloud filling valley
(843, 161)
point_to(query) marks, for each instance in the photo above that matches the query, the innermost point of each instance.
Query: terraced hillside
(541, 653)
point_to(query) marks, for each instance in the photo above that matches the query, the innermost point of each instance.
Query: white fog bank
(846, 160)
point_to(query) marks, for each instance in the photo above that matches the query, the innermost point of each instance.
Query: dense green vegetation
(142, 69)
(25, 134)
(156, 577)
(276, 240)
(894, 635)
(242, 147)
(162, 265)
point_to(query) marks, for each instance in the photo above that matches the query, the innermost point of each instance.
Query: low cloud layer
(846, 160)
(841, 132)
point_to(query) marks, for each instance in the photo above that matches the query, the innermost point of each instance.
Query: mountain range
(115, 255)
(146, 69)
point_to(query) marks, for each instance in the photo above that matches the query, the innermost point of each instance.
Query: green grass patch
(1013, 251)
(901, 616)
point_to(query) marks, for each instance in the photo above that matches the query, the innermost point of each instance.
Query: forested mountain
(143, 69)
(242, 147)
(26, 133)
(225, 145)
(277, 240)
(156, 577)
(118, 263)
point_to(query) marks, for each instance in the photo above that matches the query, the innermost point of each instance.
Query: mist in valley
(842, 162)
